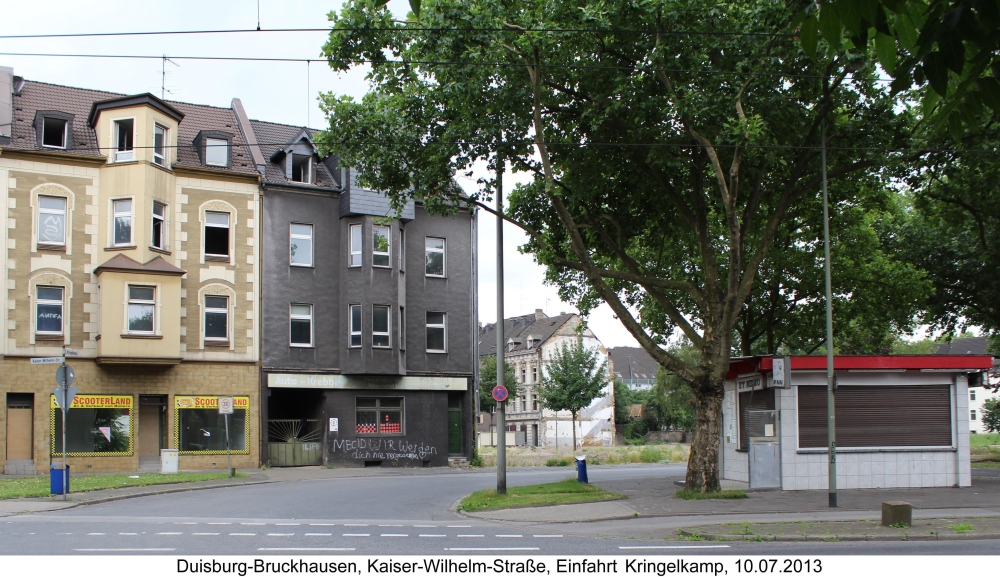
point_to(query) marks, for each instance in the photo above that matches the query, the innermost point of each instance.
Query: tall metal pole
(65, 388)
(830, 394)
(501, 364)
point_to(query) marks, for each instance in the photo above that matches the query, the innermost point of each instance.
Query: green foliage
(672, 397)
(568, 491)
(991, 415)
(20, 487)
(557, 462)
(573, 378)
(689, 495)
(962, 527)
(488, 380)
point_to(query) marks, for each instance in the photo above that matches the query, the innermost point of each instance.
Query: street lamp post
(501, 368)
(830, 378)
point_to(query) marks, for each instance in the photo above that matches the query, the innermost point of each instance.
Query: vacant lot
(543, 456)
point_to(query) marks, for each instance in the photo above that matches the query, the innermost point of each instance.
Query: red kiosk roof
(743, 365)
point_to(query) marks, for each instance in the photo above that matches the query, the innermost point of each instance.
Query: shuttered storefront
(896, 416)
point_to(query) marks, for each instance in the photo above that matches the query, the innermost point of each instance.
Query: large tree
(572, 379)
(667, 143)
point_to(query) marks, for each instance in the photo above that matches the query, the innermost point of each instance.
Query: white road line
(390, 525)
(306, 549)
(203, 534)
(219, 523)
(186, 523)
(393, 535)
(63, 533)
(124, 550)
(675, 547)
(242, 534)
(543, 536)
(128, 533)
(253, 523)
(356, 535)
(429, 535)
(287, 524)
(96, 533)
(280, 534)
(176, 533)
(427, 526)
(491, 549)
(355, 524)
(509, 536)
(322, 524)
(470, 535)
(460, 526)
(318, 534)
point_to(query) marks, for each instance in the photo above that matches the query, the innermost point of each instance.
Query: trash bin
(581, 469)
(56, 478)
(168, 461)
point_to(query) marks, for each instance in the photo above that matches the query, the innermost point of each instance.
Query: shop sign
(96, 402)
(781, 372)
(206, 402)
(747, 383)
(301, 381)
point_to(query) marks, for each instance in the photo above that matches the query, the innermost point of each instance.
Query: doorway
(20, 415)
(152, 429)
(454, 423)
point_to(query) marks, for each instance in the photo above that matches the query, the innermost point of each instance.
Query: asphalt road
(382, 515)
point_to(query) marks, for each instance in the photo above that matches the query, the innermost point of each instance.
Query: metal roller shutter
(898, 416)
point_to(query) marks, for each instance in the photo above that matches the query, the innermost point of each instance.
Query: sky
(276, 92)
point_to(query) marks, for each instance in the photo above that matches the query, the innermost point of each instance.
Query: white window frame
(310, 237)
(163, 226)
(131, 221)
(160, 158)
(65, 136)
(972, 394)
(387, 253)
(444, 329)
(214, 144)
(49, 302)
(64, 213)
(444, 255)
(354, 331)
(122, 155)
(388, 327)
(130, 301)
(355, 251)
(229, 235)
(312, 325)
(972, 415)
(215, 310)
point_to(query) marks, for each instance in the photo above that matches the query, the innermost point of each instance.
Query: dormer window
(216, 152)
(302, 168)
(54, 132)
(124, 147)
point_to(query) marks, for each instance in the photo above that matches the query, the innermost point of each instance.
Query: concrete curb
(765, 538)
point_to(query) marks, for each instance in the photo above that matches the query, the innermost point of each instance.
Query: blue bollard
(581, 469)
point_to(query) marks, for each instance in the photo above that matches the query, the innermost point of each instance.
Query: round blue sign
(499, 393)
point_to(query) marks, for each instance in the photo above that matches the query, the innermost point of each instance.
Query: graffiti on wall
(383, 449)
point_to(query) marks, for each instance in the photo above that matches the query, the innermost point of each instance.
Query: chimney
(6, 101)
(539, 315)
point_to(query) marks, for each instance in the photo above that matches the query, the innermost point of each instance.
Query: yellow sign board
(96, 402)
(207, 402)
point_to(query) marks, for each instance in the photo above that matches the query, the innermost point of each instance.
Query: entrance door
(19, 417)
(454, 432)
(151, 435)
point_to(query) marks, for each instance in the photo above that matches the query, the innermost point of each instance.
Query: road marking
(128, 533)
(323, 524)
(242, 534)
(675, 547)
(186, 523)
(460, 526)
(122, 550)
(306, 549)
(202, 534)
(427, 526)
(280, 534)
(253, 523)
(355, 524)
(543, 536)
(390, 525)
(510, 536)
(393, 535)
(96, 533)
(491, 549)
(177, 533)
(287, 524)
(318, 534)
(217, 523)
(63, 533)
(470, 535)
(433, 535)
(356, 535)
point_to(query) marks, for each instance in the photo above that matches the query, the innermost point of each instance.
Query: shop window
(159, 145)
(216, 318)
(301, 325)
(96, 425)
(49, 311)
(379, 416)
(141, 309)
(217, 235)
(124, 143)
(380, 326)
(52, 220)
(437, 336)
(355, 330)
(216, 152)
(54, 132)
(355, 256)
(158, 236)
(122, 221)
(300, 245)
(434, 256)
(380, 245)
(200, 429)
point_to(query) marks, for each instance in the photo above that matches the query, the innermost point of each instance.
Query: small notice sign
(48, 360)
(334, 424)
(225, 405)
(106, 431)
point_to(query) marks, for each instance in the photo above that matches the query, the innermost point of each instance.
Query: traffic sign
(58, 392)
(225, 405)
(499, 393)
(65, 375)
(48, 361)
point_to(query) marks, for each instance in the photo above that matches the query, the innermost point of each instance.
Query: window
(141, 307)
(402, 250)
(216, 152)
(437, 341)
(534, 374)
(217, 235)
(972, 394)
(159, 231)
(355, 330)
(52, 220)
(301, 325)
(355, 258)
(300, 246)
(216, 318)
(201, 429)
(380, 326)
(49, 311)
(434, 256)
(122, 219)
(524, 374)
(972, 415)
(54, 132)
(159, 145)
(379, 416)
(402, 329)
(124, 149)
(302, 168)
(99, 425)
(380, 245)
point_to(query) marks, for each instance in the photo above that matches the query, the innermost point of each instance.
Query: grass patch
(17, 487)
(986, 464)
(555, 462)
(984, 439)
(962, 527)
(569, 491)
(689, 495)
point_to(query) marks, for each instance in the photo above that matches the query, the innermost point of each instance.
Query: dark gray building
(368, 319)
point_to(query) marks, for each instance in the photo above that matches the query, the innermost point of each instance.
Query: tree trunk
(574, 429)
(703, 464)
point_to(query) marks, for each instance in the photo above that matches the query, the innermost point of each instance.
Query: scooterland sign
(747, 383)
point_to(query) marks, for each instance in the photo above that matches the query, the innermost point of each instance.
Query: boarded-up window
(756, 401)
(900, 416)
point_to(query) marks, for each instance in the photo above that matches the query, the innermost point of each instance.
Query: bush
(556, 462)
(991, 415)
(650, 455)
